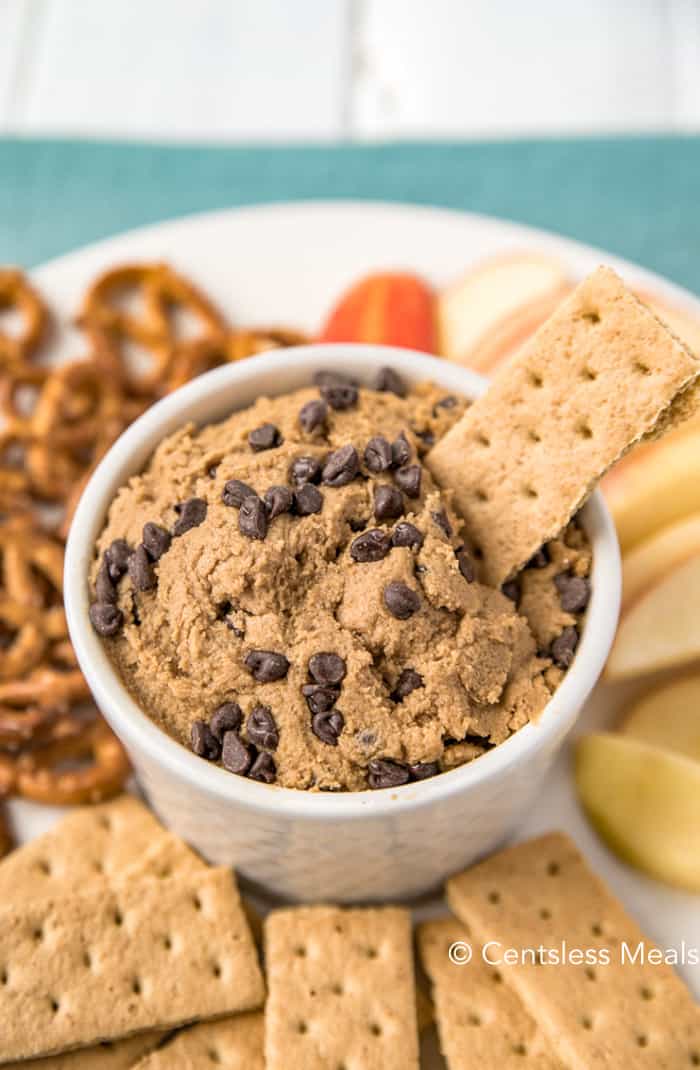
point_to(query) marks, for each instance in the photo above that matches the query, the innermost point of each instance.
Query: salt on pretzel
(87, 768)
(16, 350)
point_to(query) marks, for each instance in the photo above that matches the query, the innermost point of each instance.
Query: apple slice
(655, 485)
(669, 716)
(662, 628)
(645, 803)
(646, 564)
(487, 315)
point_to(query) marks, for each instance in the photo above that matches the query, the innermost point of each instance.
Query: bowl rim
(295, 366)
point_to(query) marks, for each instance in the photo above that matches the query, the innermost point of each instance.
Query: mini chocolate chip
(265, 437)
(236, 756)
(341, 466)
(226, 718)
(427, 438)
(340, 396)
(466, 565)
(511, 589)
(156, 540)
(400, 451)
(192, 513)
(383, 773)
(409, 680)
(106, 619)
(261, 728)
(266, 665)
(324, 377)
(378, 456)
(540, 559)
(307, 500)
(448, 402)
(388, 502)
(372, 545)
(313, 414)
(357, 524)
(264, 769)
(424, 770)
(327, 669)
(319, 699)
(574, 592)
(235, 492)
(408, 479)
(278, 500)
(405, 534)
(305, 470)
(389, 381)
(400, 600)
(105, 589)
(441, 519)
(117, 557)
(252, 518)
(564, 647)
(328, 726)
(141, 571)
(203, 741)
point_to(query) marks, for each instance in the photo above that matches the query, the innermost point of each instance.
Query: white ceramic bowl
(390, 844)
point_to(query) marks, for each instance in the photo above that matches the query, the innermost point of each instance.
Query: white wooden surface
(323, 69)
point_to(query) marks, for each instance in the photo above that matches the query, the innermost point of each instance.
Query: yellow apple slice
(646, 564)
(485, 316)
(669, 716)
(645, 803)
(657, 484)
(662, 628)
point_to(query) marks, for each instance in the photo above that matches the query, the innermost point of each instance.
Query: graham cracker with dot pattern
(117, 1055)
(231, 1044)
(341, 990)
(599, 375)
(542, 893)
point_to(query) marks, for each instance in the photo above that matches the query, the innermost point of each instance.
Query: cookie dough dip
(291, 595)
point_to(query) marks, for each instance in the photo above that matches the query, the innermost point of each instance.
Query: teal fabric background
(639, 197)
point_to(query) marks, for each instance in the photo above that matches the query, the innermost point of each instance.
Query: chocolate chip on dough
(408, 479)
(307, 500)
(383, 773)
(328, 726)
(340, 396)
(409, 680)
(236, 756)
(203, 741)
(540, 559)
(319, 699)
(563, 648)
(117, 558)
(261, 728)
(226, 718)
(341, 466)
(372, 545)
(405, 534)
(156, 540)
(252, 518)
(265, 437)
(389, 381)
(263, 769)
(305, 470)
(192, 513)
(141, 571)
(424, 770)
(235, 492)
(278, 500)
(327, 669)
(105, 589)
(106, 619)
(400, 451)
(400, 600)
(466, 565)
(378, 455)
(442, 520)
(266, 665)
(388, 502)
(574, 592)
(313, 414)
(511, 589)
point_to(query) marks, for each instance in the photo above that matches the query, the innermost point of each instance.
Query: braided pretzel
(17, 295)
(166, 299)
(39, 775)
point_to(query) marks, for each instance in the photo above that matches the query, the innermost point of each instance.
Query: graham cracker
(117, 1055)
(93, 843)
(537, 895)
(231, 1044)
(482, 1023)
(143, 954)
(599, 375)
(341, 990)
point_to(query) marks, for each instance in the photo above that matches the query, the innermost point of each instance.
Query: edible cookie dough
(289, 594)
